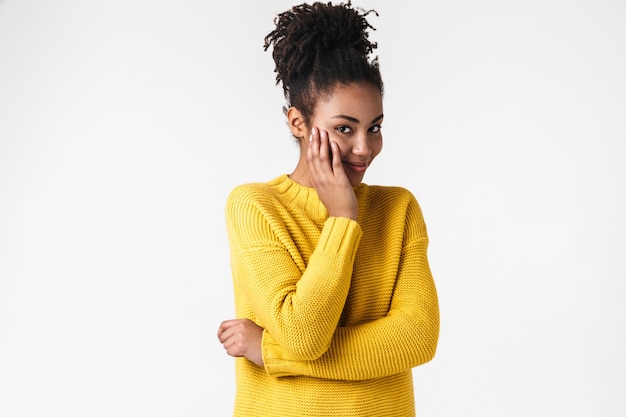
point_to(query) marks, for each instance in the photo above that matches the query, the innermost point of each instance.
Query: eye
(343, 129)
(375, 128)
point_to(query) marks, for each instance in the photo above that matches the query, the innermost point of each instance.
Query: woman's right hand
(328, 176)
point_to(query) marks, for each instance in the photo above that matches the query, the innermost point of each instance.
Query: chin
(355, 181)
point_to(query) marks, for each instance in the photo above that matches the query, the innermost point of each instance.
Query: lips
(356, 166)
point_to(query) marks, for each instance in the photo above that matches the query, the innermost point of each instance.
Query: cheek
(343, 144)
(377, 146)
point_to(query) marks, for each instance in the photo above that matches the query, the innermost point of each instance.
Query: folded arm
(300, 306)
(406, 337)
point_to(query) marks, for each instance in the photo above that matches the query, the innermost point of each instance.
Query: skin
(341, 142)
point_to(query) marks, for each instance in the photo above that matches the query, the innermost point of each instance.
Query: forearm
(301, 309)
(404, 338)
(360, 352)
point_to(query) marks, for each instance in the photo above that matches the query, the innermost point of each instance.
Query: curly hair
(316, 47)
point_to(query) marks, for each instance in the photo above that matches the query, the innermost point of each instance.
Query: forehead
(362, 101)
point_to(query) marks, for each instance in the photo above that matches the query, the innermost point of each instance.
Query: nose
(361, 145)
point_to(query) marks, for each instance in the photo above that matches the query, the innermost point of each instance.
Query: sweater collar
(304, 198)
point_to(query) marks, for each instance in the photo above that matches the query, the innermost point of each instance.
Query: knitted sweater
(348, 307)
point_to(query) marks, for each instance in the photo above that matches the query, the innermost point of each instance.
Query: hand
(242, 338)
(328, 177)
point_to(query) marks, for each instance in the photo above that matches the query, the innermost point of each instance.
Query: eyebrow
(355, 120)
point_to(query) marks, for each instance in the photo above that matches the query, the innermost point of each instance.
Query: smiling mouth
(357, 167)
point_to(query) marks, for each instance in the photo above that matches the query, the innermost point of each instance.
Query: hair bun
(337, 28)
(307, 32)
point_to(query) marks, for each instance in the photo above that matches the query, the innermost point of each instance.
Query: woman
(333, 292)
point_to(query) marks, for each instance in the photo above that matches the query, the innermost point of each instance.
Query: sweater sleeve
(299, 308)
(406, 337)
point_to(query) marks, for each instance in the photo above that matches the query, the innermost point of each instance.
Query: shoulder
(394, 204)
(261, 196)
(248, 190)
(389, 190)
(253, 212)
(389, 195)
(250, 194)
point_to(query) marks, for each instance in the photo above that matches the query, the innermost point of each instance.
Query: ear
(295, 120)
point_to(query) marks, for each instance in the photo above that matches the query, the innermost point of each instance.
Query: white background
(124, 124)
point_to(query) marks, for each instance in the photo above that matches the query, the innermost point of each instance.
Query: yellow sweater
(348, 307)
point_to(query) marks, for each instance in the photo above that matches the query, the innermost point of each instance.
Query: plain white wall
(124, 124)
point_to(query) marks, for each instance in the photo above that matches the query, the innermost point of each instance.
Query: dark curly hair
(316, 47)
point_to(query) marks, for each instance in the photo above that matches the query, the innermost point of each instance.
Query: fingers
(324, 149)
(335, 157)
(241, 337)
(320, 155)
(224, 329)
(312, 152)
(227, 334)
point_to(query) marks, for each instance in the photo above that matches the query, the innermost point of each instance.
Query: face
(352, 116)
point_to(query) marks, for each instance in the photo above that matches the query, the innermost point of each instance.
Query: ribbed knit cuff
(278, 364)
(340, 235)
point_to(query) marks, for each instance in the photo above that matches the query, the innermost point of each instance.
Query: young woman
(333, 292)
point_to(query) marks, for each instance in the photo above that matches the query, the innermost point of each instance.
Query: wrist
(350, 215)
